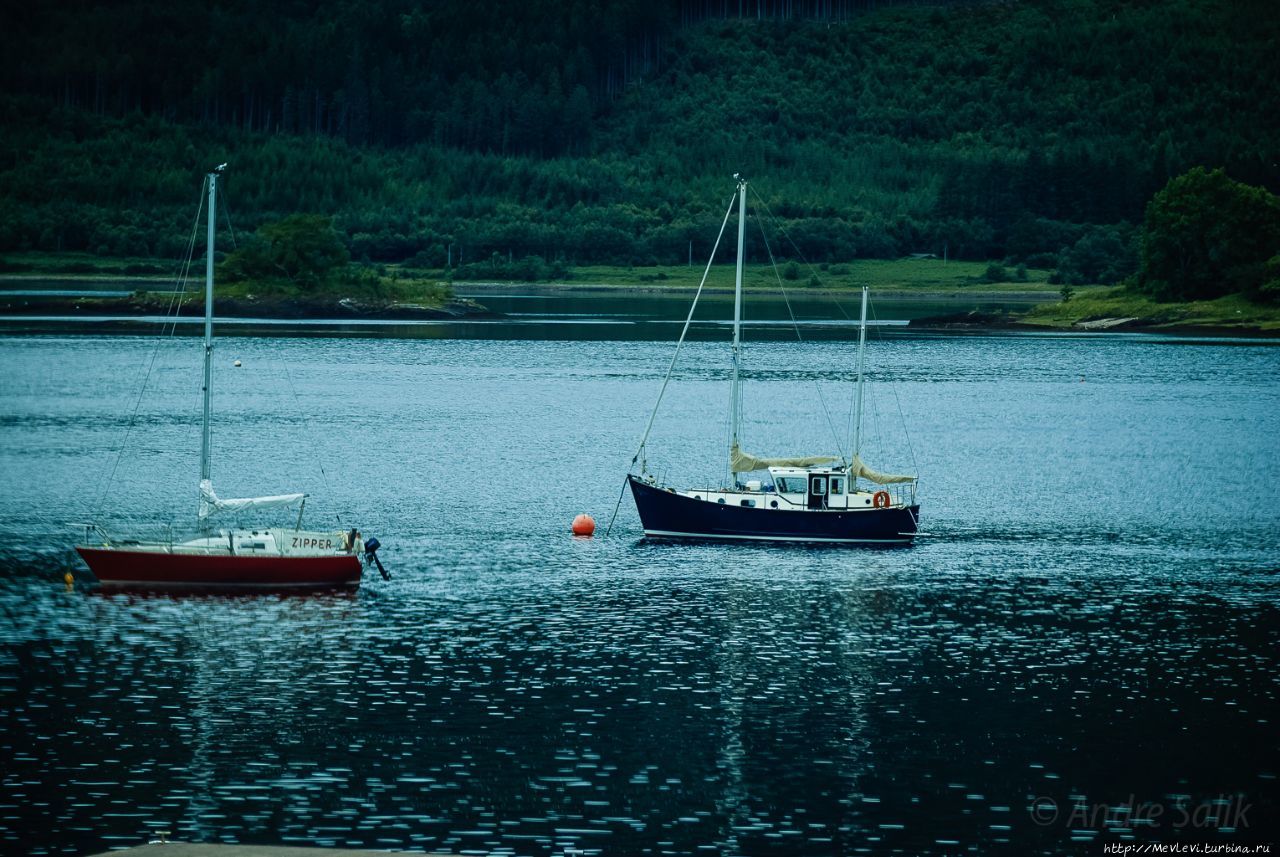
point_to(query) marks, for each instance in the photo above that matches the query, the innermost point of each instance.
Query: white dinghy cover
(743, 462)
(211, 504)
(858, 468)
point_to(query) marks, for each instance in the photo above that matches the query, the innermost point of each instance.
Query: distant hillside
(608, 132)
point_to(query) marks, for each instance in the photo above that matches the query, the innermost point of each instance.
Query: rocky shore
(979, 321)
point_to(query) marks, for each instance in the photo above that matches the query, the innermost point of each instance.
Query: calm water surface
(1090, 629)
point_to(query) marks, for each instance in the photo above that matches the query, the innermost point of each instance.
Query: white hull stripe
(733, 537)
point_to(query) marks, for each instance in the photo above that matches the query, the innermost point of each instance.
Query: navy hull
(665, 514)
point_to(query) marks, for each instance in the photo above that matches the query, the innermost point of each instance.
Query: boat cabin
(804, 488)
(815, 487)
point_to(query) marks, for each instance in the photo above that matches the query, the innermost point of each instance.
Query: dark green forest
(608, 132)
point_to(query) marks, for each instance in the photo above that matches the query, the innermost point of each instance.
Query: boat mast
(208, 320)
(735, 396)
(857, 411)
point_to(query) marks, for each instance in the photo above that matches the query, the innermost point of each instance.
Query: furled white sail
(211, 504)
(742, 462)
(858, 468)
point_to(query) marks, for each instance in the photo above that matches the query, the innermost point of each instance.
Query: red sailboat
(233, 558)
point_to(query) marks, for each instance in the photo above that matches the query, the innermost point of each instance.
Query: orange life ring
(880, 499)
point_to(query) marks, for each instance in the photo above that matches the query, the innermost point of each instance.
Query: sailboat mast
(735, 396)
(857, 410)
(208, 321)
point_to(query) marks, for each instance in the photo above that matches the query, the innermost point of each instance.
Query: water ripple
(1090, 622)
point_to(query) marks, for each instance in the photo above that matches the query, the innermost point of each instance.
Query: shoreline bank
(140, 306)
(302, 309)
(978, 322)
(902, 293)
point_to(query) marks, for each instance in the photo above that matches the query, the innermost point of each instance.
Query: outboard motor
(371, 546)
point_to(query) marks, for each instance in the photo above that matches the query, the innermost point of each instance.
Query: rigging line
(795, 326)
(671, 368)
(683, 332)
(177, 297)
(783, 232)
(848, 414)
(284, 364)
(902, 418)
(726, 426)
(226, 211)
(184, 273)
(616, 506)
(878, 431)
(170, 314)
(874, 331)
(182, 277)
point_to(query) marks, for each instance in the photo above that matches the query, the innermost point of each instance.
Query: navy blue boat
(752, 516)
(814, 499)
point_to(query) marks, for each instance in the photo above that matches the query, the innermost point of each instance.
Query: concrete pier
(203, 849)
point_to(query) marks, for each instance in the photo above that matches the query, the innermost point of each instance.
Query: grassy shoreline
(1113, 308)
(900, 277)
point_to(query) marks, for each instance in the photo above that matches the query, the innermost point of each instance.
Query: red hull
(115, 567)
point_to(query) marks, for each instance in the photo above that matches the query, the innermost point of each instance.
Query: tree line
(607, 132)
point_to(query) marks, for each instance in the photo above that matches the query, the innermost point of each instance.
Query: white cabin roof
(804, 471)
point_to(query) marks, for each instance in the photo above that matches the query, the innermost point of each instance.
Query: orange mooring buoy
(584, 525)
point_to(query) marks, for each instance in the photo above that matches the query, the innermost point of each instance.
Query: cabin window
(837, 484)
(791, 484)
(751, 503)
(818, 485)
